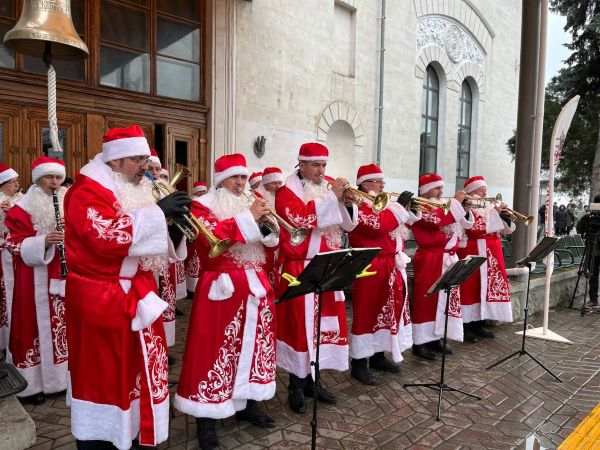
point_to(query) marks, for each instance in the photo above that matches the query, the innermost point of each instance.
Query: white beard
(227, 205)
(41, 208)
(3, 228)
(135, 196)
(333, 234)
(270, 197)
(313, 191)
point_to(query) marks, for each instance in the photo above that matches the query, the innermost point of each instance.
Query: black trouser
(594, 273)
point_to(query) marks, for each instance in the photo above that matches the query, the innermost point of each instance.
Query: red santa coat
(192, 268)
(486, 295)
(167, 290)
(229, 354)
(6, 280)
(271, 267)
(380, 308)
(324, 218)
(118, 355)
(438, 236)
(38, 340)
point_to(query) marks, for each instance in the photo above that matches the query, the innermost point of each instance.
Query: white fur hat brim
(230, 172)
(125, 147)
(272, 177)
(429, 186)
(371, 176)
(474, 186)
(47, 169)
(8, 175)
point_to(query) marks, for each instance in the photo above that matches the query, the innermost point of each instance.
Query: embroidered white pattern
(263, 364)
(32, 356)
(498, 290)
(369, 220)
(452, 229)
(167, 293)
(137, 389)
(386, 319)
(59, 329)
(192, 268)
(219, 385)
(454, 307)
(299, 221)
(110, 230)
(479, 224)
(431, 218)
(157, 364)
(13, 247)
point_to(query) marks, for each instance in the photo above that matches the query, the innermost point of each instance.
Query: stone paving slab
(518, 400)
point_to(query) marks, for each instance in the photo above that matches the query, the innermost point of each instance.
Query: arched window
(463, 150)
(430, 103)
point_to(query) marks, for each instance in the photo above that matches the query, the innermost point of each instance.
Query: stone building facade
(309, 70)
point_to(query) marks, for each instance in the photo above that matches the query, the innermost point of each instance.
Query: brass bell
(45, 22)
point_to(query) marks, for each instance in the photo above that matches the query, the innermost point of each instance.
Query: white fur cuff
(221, 289)
(248, 227)
(147, 311)
(34, 251)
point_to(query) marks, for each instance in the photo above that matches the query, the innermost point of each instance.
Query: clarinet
(60, 245)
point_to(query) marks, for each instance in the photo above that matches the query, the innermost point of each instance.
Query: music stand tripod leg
(315, 364)
(441, 385)
(579, 273)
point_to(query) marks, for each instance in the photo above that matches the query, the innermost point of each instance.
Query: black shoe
(438, 347)
(36, 399)
(296, 400)
(323, 395)
(468, 334)
(361, 372)
(207, 435)
(479, 331)
(95, 445)
(254, 415)
(171, 360)
(135, 445)
(379, 362)
(179, 312)
(422, 351)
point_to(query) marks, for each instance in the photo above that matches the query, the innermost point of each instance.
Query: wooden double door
(25, 135)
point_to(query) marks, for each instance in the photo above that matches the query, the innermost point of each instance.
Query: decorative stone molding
(443, 40)
(340, 110)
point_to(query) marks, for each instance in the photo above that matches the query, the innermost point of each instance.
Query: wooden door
(181, 147)
(11, 143)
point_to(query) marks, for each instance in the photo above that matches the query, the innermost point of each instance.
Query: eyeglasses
(375, 181)
(139, 160)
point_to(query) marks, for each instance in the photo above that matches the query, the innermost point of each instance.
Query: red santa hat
(43, 166)
(123, 142)
(154, 157)
(256, 177)
(474, 183)
(7, 173)
(313, 151)
(199, 186)
(430, 181)
(271, 174)
(228, 166)
(164, 172)
(368, 172)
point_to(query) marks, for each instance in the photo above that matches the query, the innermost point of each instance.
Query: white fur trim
(232, 171)
(370, 176)
(493, 221)
(271, 240)
(471, 313)
(179, 253)
(199, 189)
(271, 177)
(222, 288)
(348, 222)
(466, 220)
(328, 210)
(95, 421)
(34, 251)
(248, 227)
(298, 363)
(122, 148)
(8, 175)
(241, 387)
(220, 410)
(475, 185)
(190, 283)
(169, 326)
(401, 214)
(313, 158)
(147, 310)
(366, 345)
(47, 169)
(150, 235)
(9, 283)
(330, 323)
(57, 287)
(255, 180)
(154, 159)
(429, 186)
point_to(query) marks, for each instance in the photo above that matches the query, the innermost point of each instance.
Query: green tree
(579, 169)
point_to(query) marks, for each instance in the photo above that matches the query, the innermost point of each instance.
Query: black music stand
(330, 271)
(454, 276)
(546, 246)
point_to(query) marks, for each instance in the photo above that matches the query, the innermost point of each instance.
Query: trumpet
(381, 201)
(362, 196)
(272, 221)
(511, 214)
(188, 223)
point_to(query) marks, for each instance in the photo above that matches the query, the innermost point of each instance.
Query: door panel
(181, 147)
(10, 137)
(118, 122)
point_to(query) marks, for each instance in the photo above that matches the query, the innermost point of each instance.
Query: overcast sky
(556, 53)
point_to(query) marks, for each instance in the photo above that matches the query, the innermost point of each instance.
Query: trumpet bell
(219, 247)
(44, 22)
(298, 236)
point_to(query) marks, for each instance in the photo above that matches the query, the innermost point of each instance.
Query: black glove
(405, 198)
(174, 204)
(176, 235)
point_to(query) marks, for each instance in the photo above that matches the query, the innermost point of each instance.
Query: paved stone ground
(518, 400)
